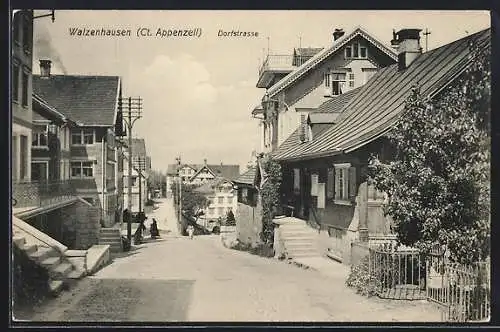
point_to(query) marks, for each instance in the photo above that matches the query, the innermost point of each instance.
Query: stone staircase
(111, 236)
(61, 271)
(298, 239)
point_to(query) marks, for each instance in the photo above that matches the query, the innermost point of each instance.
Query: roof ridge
(326, 52)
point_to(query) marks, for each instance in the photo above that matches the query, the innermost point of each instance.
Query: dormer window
(356, 51)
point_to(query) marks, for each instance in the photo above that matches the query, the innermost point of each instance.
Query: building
(198, 174)
(22, 115)
(50, 148)
(141, 167)
(313, 76)
(92, 102)
(249, 212)
(221, 196)
(325, 176)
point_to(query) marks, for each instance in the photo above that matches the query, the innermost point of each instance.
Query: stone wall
(249, 223)
(81, 225)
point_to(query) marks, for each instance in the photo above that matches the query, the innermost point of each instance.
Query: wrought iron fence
(398, 272)
(39, 193)
(463, 291)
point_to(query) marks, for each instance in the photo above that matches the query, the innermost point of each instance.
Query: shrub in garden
(359, 278)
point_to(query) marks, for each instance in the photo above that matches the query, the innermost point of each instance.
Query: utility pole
(134, 112)
(426, 34)
(179, 180)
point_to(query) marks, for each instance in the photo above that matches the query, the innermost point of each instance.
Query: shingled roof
(247, 177)
(90, 100)
(322, 118)
(380, 102)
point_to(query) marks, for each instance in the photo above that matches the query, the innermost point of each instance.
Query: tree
(193, 202)
(438, 184)
(270, 195)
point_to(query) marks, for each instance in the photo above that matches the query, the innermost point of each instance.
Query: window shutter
(336, 186)
(352, 182)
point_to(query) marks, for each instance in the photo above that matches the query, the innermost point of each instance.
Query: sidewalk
(323, 265)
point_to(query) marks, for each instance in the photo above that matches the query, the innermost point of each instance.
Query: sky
(198, 93)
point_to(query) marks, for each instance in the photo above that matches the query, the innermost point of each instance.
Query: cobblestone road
(177, 279)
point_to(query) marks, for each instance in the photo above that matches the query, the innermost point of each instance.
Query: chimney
(205, 162)
(407, 43)
(45, 68)
(337, 33)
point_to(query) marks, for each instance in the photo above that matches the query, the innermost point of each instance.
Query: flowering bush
(359, 278)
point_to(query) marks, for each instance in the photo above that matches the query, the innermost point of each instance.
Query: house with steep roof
(197, 174)
(249, 212)
(141, 167)
(50, 155)
(221, 198)
(295, 91)
(324, 177)
(92, 102)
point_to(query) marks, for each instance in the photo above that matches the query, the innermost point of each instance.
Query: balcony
(276, 66)
(32, 195)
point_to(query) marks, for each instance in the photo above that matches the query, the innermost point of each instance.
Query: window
(40, 137)
(82, 136)
(88, 136)
(327, 80)
(220, 200)
(15, 82)
(345, 183)
(351, 80)
(348, 52)
(296, 179)
(25, 89)
(229, 200)
(362, 52)
(220, 211)
(82, 169)
(355, 50)
(338, 82)
(23, 167)
(211, 211)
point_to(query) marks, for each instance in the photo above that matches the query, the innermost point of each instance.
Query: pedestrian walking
(153, 229)
(190, 230)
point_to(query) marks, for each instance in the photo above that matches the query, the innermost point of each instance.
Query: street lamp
(134, 112)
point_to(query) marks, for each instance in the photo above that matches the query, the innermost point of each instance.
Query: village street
(177, 279)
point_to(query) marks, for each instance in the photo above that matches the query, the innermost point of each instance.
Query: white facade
(223, 199)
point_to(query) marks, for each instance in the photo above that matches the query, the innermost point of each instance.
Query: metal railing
(463, 291)
(40, 193)
(282, 61)
(398, 273)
